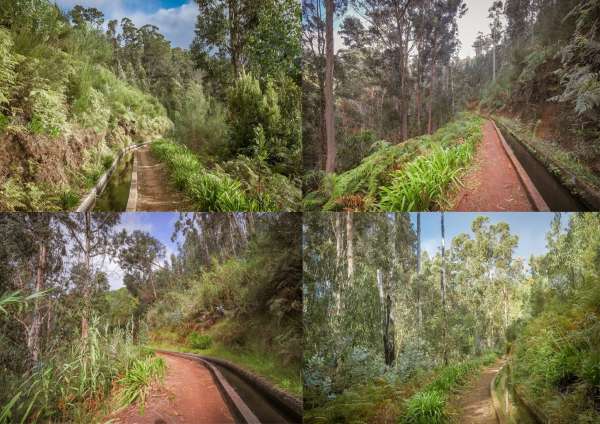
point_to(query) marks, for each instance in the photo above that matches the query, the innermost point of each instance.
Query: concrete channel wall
(87, 204)
(561, 189)
(285, 402)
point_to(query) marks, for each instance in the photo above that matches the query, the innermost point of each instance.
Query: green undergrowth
(422, 399)
(215, 190)
(557, 357)
(137, 381)
(253, 354)
(77, 383)
(556, 155)
(414, 175)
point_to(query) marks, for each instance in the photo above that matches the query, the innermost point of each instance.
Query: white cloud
(176, 23)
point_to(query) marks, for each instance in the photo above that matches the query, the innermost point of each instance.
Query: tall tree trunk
(350, 244)
(443, 292)
(388, 330)
(493, 61)
(234, 36)
(419, 301)
(339, 250)
(329, 100)
(33, 333)
(432, 88)
(88, 277)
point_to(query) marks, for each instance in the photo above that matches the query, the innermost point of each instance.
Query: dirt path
(155, 191)
(189, 396)
(475, 404)
(494, 185)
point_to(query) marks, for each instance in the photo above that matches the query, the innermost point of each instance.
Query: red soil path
(475, 404)
(155, 191)
(189, 396)
(494, 185)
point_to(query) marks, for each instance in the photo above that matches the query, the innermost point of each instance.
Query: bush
(426, 407)
(138, 379)
(199, 341)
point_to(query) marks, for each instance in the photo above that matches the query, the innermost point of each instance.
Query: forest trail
(190, 395)
(475, 405)
(155, 190)
(494, 185)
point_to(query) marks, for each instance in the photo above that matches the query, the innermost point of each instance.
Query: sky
(175, 18)
(159, 225)
(475, 20)
(531, 227)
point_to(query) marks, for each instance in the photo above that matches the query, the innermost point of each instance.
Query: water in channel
(115, 195)
(261, 407)
(512, 410)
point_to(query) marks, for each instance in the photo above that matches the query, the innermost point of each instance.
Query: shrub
(137, 381)
(199, 341)
(426, 407)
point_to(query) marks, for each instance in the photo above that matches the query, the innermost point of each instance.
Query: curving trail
(475, 404)
(190, 396)
(494, 185)
(155, 190)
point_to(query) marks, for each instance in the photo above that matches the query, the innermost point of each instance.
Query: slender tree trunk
(443, 292)
(350, 244)
(88, 277)
(389, 351)
(432, 92)
(33, 333)
(234, 36)
(493, 61)
(329, 100)
(339, 250)
(419, 301)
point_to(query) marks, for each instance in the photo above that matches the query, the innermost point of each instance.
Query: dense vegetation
(418, 174)
(74, 91)
(397, 76)
(72, 350)
(391, 334)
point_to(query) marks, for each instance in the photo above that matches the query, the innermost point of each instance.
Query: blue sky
(530, 227)
(159, 224)
(175, 18)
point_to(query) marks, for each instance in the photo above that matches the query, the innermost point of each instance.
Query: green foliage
(199, 341)
(65, 383)
(8, 61)
(414, 175)
(426, 408)
(210, 190)
(136, 382)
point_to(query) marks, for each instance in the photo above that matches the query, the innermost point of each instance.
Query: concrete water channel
(510, 409)
(249, 398)
(116, 193)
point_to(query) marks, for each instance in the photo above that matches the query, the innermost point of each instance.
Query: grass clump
(414, 175)
(199, 341)
(426, 408)
(211, 191)
(136, 382)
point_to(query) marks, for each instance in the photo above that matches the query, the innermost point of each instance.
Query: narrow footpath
(189, 396)
(494, 184)
(475, 404)
(155, 190)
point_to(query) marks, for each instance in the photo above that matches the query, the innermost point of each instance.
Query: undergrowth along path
(155, 190)
(475, 404)
(189, 396)
(494, 184)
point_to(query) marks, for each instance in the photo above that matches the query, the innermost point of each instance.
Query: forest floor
(475, 403)
(155, 190)
(493, 185)
(188, 395)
